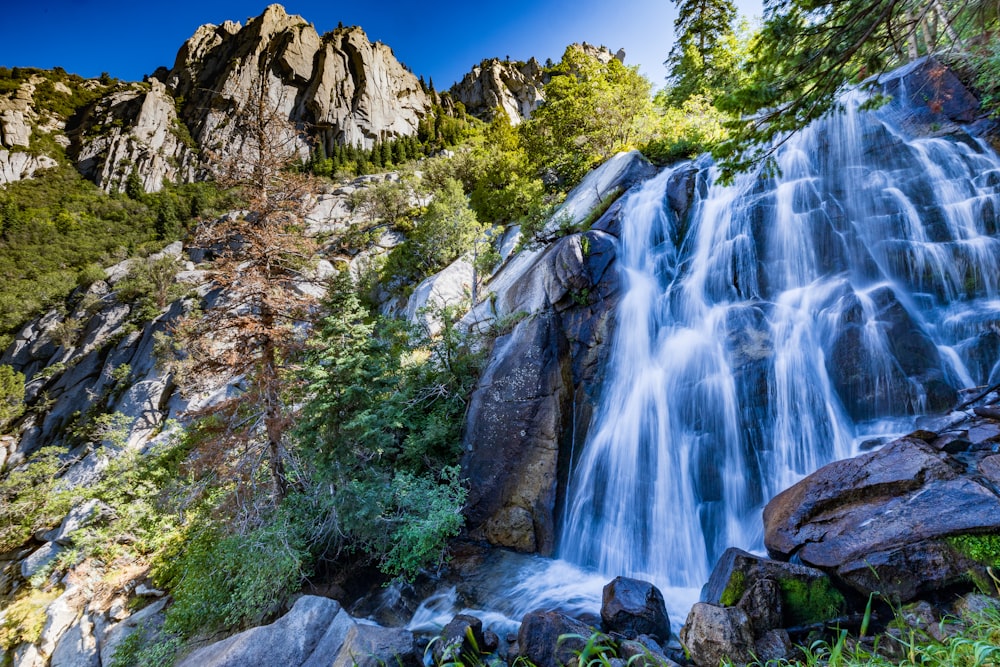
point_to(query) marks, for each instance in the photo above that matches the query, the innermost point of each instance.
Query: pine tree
(698, 61)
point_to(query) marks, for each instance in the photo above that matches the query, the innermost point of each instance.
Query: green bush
(11, 394)
(29, 501)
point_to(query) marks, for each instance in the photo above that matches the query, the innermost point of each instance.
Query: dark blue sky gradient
(440, 40)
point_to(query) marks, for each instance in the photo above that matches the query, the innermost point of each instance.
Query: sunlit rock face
(339, 85)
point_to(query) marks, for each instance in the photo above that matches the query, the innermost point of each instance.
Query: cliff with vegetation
(298, 354)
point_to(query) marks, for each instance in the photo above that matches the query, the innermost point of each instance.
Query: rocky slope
(337, 89)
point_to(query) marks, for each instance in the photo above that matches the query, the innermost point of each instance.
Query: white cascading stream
(779, 323)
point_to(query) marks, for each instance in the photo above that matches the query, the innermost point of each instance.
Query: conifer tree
(699, 60)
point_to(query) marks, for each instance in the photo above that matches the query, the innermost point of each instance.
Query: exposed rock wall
(493, 84)
(134, 130)
(349, 90)
(533, 403)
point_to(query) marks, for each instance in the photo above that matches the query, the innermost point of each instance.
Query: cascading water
(775, 325)
(779, 324)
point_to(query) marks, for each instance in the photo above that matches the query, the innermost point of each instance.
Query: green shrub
(29, 500)
(11, 394)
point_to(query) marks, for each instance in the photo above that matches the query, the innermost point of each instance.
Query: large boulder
(892, 520)
(288, 641)
(631, 607)
(797, 594)
(316, 632)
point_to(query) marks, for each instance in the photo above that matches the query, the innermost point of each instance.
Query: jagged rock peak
(515, 87)
(602, 53)
(341, 86)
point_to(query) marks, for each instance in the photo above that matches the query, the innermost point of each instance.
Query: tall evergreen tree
(700, 60)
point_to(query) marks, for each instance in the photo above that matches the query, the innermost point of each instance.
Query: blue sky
(441, 40)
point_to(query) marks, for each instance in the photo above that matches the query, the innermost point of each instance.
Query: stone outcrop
(17, 165)
(713, 634)
(513, 87)
(888, 520)
(538, 638)
(750, 604)
(535, 397)
(341, 85)
(134, 130)
(801, 595)
(315, 632)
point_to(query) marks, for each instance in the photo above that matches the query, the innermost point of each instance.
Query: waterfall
(775, 325)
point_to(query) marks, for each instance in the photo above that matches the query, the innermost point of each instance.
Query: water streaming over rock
(775, 324)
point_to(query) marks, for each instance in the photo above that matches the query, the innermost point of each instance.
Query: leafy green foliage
(11, 394)
(701, 60)
(445, 231)
(55, 231)
(987, 79)
(24, 619)
(807, 51)
(500, 176)
(382, 426)
(29, 501)
(591, 111)
(223, 579)
(138, 649)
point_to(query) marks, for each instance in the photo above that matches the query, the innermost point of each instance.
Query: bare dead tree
(254, 328)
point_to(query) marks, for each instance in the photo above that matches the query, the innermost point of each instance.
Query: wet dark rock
(538, 640)
(915, 363)
(461, 638)
(631, 607)
(932, 96)
(538, 391)
(882, 521)
(680, 191)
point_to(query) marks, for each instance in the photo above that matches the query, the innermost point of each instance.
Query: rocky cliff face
(514, 87)
(535, 398)
(17, 116)
(340, 86)
(134, 130)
